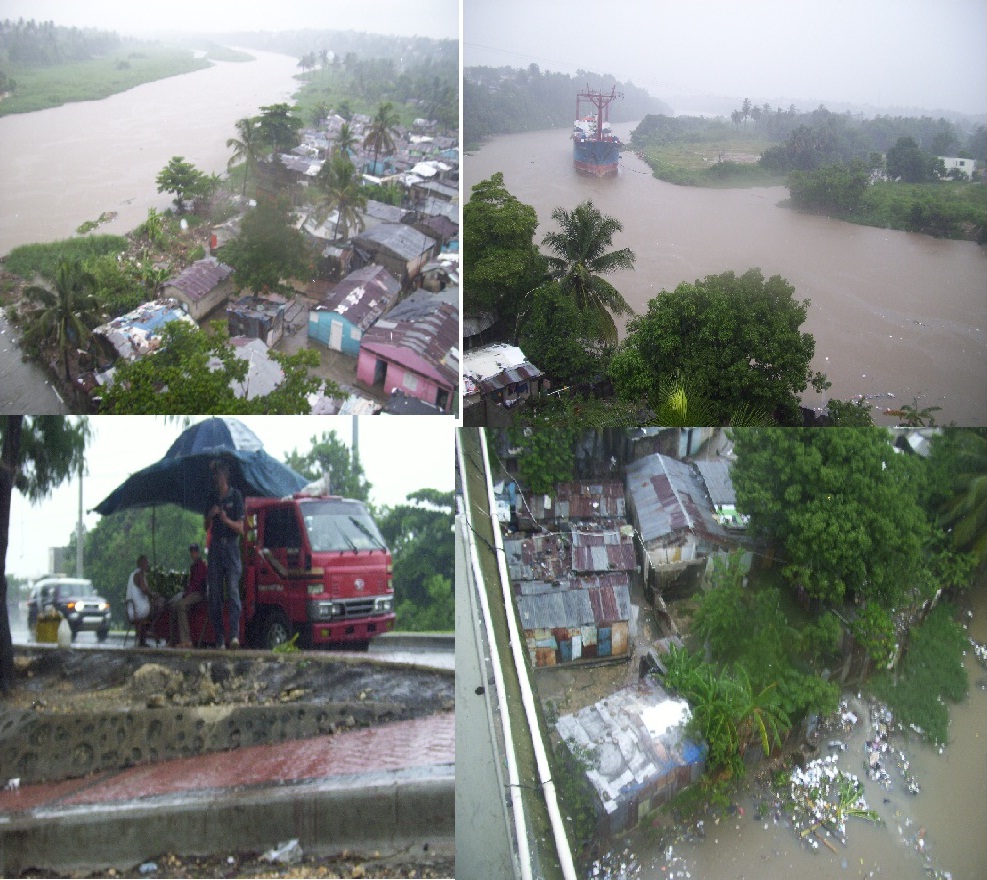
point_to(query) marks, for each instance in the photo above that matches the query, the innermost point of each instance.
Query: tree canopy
(579, 259)
(736, 338)
(840, 507)
(329, 456)
(269, 249)
(184, 180)
(501, 263)
(195, 372)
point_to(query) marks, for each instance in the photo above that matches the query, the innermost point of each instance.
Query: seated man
(194, 592)
(145, 605)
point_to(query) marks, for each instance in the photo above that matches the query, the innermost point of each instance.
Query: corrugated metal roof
(363, 296)
(199, 278)
(581, 501)
(399, 238)
(606, 550)
(539, 558)
(633, 738)
(494, 367)
(716, 476)
(421, 334)
(668, 500)
(574, 607)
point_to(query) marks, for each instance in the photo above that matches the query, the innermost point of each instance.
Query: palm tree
(759, 717)
(581, 257)
(383, 127)
(966, 512)
(681, 403)
(346, 141)
(246, 147)
(341, 184)
(66, 315)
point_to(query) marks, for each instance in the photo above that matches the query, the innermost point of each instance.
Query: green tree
(581, 255)
(501, 263)
(184, 180)
(546, 453)
(279, 127)
(832, 188)
(268, 250)
(342, 190)
(840, 507)
(420, 536)
(246, 148)
(965, 513)
(383, 128)
(37, 453)
(195, 372)
(330, 457)
(63, 317)
(737, 338)
(560, 339)
(910, 162)
(346, 141)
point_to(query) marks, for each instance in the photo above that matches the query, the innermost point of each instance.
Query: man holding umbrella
(225, 524)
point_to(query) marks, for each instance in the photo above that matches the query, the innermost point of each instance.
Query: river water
(951, 808)
(69, 164)
(893, 313)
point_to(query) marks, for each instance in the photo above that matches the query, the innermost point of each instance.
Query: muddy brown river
(895, 315)
(66, 165)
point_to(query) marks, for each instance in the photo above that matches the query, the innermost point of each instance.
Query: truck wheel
(276, 630)
(102, 634)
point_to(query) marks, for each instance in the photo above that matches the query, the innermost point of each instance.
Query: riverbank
(39, 88)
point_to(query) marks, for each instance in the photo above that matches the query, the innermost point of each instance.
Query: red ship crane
(601, 101)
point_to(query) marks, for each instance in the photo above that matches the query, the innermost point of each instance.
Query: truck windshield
(340, 525)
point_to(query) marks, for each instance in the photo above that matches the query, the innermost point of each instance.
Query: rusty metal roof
(539, 558)
(199, 278)
(561, 607)
(669, 500)
(716, 477)
(586, 500)
(362, 296)
(606, 550)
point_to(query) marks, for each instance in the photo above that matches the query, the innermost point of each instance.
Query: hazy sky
(924, 53)
(426, 18)
(419, 454)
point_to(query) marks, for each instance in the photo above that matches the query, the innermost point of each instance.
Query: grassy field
(42, 87)
(727, 162)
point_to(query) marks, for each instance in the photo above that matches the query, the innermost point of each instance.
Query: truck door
(281, 543)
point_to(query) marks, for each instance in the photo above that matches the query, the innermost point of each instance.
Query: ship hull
(598, 158)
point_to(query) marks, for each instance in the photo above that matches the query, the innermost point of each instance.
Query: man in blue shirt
(226, 525)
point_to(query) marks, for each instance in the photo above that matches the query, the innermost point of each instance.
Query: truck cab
(316, 566)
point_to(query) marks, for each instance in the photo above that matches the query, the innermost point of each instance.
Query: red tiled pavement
(403, 744)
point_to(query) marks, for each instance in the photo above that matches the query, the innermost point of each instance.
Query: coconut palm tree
(64, 317)
(342, 188)
(345, 142)
(246, 148)
(581, 256)
(383, 127)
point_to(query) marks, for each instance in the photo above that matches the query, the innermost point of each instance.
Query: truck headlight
(383, 604)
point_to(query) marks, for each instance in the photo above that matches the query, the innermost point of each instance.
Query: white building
(964, 165)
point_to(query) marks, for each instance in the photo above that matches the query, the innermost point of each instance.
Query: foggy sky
(911, 53)
(426, 18)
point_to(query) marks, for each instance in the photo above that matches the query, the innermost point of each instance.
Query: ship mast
(601, 102)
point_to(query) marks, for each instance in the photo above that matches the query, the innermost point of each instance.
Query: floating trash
(823, 796)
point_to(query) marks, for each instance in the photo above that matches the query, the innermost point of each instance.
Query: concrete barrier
(388, 811)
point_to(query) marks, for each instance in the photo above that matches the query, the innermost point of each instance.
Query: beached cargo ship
(595, 148)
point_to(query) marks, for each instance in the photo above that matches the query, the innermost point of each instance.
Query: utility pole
(79, 572)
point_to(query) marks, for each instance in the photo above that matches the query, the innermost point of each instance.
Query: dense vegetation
(505, 100)
(45, 65)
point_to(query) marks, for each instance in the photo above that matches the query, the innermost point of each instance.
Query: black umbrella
(182, 477)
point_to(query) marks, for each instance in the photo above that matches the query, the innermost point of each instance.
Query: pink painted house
(415, 349)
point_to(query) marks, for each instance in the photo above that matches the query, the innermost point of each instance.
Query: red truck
(312, 565)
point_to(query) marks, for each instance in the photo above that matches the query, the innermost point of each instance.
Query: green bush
(29, 260)
(931, 673)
